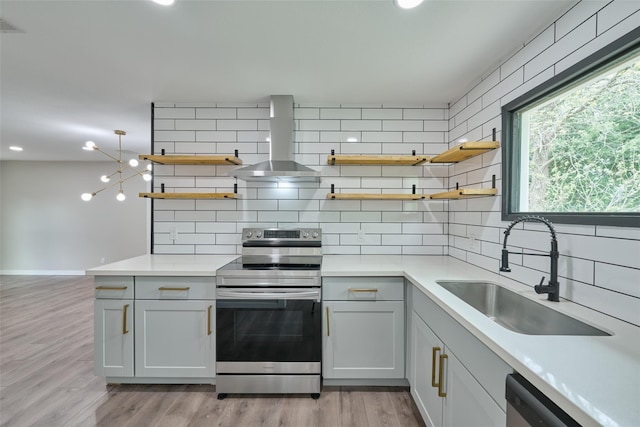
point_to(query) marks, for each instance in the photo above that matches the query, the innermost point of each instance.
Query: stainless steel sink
(516, 312)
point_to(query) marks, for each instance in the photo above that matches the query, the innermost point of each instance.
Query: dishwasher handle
(527, 403)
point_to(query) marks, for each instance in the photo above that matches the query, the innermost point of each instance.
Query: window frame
(511, 143)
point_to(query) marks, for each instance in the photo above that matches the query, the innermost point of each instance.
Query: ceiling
(77, 70)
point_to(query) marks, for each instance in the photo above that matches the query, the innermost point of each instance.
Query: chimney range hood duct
(280, 166)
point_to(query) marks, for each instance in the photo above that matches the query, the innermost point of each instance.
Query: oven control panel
(281, 236)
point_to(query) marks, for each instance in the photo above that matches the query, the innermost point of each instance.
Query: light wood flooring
(46, 377)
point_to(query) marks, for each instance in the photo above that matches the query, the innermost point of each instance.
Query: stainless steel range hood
(280, 166)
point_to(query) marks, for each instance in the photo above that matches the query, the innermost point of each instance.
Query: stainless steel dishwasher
(527, 406)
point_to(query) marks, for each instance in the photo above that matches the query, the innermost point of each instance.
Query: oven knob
(249, 234)
(315, 235)
(305, 235)
(258, 234)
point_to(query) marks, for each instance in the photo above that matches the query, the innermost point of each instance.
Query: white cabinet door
(467, 403)
(175, 338)
(423, 343)
(363, 340)
(113, 337)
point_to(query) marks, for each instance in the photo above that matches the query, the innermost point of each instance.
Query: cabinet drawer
(363, 288)
(114, 287)
(175, 288)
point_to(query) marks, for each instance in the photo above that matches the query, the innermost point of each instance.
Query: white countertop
(594, 379)
(164, 265)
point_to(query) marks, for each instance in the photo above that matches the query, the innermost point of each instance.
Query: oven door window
(268, 330)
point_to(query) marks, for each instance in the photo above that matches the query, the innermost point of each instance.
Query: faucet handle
(540, 288)
(541, 281)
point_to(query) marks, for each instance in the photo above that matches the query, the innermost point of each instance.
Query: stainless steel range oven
(268, 314)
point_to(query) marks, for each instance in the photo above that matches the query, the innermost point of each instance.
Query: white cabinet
(444, 390)
(363, 328)
(455, 380)
(423, 370)
(113, 327)
(175, 331)
(175, 338)
(151, 329)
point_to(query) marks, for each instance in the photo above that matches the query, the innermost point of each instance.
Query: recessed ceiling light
(352, 139)
(15, 148)
(408, 4)
(164, 2)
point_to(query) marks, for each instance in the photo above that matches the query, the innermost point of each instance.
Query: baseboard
(42, 272)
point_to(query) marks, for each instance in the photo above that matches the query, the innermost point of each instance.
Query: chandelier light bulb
(121, 196)
(146, 176)
(149, 167)
(133, 163)
(104, 178)
(89, 145)
(86, 196)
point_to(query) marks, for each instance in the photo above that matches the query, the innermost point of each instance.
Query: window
(571, 147)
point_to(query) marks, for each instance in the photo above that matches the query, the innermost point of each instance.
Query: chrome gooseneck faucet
(553, 288)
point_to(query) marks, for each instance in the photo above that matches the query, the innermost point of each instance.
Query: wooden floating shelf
(465, 192)
(191, 160)
(376, 196)
(343, 159)
(464, 151)
(189, 195)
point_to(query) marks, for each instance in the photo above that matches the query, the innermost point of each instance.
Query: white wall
(390, 227)
(599, 265)
(48, 229)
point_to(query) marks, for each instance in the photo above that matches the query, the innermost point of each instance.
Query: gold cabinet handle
(111, 288)
(434, 352)
(363, 290)
(166, 288)
(328, 331)
(440, 375)
(124, 319)
(209, 320)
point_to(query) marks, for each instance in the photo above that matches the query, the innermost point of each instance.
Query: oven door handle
(260, 294)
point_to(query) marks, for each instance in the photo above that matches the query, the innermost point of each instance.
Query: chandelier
(122, 167)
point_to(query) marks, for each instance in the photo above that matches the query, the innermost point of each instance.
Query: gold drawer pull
(124, 319)
(166, 288)
(209, 320)
(328, 330)
(363, 290)
(440, 375)
(434, 352)
(111, 288)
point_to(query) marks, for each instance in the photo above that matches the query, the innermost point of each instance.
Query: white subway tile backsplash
(308, 125)
(195, 125)
(382, 113)
(174, 135)
(340, 113)
(361, 125)
(579, 13)
(381, 250)
(306, 113)
(216, 113)
(426, 227)
(424, 113)
(253, 113)
(563, 47)
(173, 113)
(616, 13)
(237, 124)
